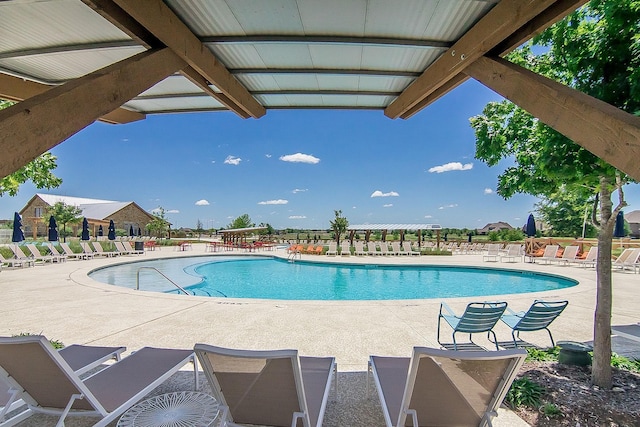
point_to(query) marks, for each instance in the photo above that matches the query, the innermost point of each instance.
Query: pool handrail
(159, 272)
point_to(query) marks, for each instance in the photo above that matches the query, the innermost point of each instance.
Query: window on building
(38, 212)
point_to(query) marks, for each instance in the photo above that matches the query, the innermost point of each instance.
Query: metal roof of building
(380, 227)
(358, 54)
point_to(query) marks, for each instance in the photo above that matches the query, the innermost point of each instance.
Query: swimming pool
(274, 278)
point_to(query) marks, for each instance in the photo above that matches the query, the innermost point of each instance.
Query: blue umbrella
(131, 230)
(139, 231)
(53, 229)
(18, 235)
(619, 230)
(100, 231)
(112, 231)
(85, 229)
(531, 226)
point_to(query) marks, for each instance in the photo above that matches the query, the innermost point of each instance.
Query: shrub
(524, 392)
(550, 410)
(543, 355)
(55, 343)
(622, 362)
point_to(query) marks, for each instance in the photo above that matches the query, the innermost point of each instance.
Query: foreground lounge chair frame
(268, 388)
(49, 385)
(477, 317)
(444, 387)
(538, 317)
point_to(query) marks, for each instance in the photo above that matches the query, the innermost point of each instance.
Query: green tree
(65, 214)
(339, 225)
(270, 231)
(565, 212)
(159, 225)
(38, 171)
(595, 50)
(243, 221)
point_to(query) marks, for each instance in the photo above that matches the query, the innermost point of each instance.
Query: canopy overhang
(71, 62)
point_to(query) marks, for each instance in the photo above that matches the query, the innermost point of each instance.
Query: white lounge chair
(493, 252)
(550, 254)
(345, 248)
(371, 249)
(36, 255)
(406, 246)
(120, 249)
(395, 249)
(359, 248)
(88, 249)
(513, 254)
(268, 388)
(627, 259)
(20, 255)
(13, 262)
(48, 384)
(569, 255)
(384, 248)
(99, 250)
(127, 246)
(444, 387)
(80, 358)
(333, 249)
(55, 253)
(591, 259)
(70, 254)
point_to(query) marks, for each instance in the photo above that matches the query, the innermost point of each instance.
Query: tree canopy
(339, 225)
(65, 214)
(243, 221)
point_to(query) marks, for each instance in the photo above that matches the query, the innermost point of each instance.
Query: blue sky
(293, 168)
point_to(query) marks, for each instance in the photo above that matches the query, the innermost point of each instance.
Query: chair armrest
(447, 308)
(519, 313)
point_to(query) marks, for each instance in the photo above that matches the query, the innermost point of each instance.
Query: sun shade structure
(71, 62)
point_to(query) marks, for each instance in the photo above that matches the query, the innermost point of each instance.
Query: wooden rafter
(163, 24)
(604, 130)
(498, 25)
(16, 89)
(41, 122)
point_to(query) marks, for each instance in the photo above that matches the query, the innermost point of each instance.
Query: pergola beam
(41, 122)
(16, 89)
(604, 130)
(500, 23)
(162, 22)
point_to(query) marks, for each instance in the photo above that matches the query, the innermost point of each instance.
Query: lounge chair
(48, 384)
(12, 262)
(591, 259)
(406, 246)
(359, 248)
(477, 317)
(120, 249)
(550, 254)
(70, 254)
(513, 254)
(55, 253)
(627, 259)
(333, 249)
(98, 250)
(80, 358)
(318, 250)
(371, 249)
(538, 317)
(268, 388)
(569, 255)
(20, 256)
(88, 249)
(384, 248)
(132, 250)
(395, 249)
(443, 387)
(345, 248)
(493, 252)
(36, 255)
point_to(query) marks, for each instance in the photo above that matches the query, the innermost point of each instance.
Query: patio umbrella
(53, 229)
(112, 231)
(131, 230)
(139, 231)
(100, 231)
(85, 229)
(619, 230)
(531, 226)
(18, 235)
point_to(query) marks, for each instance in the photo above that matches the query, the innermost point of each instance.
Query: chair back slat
(480, 317)
(540, 315)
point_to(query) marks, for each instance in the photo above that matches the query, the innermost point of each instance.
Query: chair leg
(438, 332)
(553, 344)
(495, 340)
(513, 335)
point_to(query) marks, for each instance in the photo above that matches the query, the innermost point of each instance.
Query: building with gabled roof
(494, 226)
(125, 215)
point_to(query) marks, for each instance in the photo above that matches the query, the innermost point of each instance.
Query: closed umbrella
(531, 226)
(18, 235)
(85, 229)
(100, 231)
(112, 231)
(619, 230)
(131, 231)
(53, 229)
(139, 231)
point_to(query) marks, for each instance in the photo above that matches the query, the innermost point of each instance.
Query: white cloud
(297, 217)
(388, 205)
(213, 161)
(379, 193)
(268, 156)
(274, 202)
(232, 160)
(299, 190)
(202, 202)
(428, 216)
(488, 191)
(448, 206)
(453, 166)
(354, 207)
(173, 211)
(300, 158)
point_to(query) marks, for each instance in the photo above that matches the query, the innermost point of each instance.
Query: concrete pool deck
(63, 303)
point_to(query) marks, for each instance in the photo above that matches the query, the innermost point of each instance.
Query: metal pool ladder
(162, 274)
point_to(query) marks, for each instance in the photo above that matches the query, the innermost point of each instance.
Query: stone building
(125, 215)
(494, 226)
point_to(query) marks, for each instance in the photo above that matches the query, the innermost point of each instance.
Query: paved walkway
(63, 303)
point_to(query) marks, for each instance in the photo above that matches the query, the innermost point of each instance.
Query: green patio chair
(539, 316)
(477, 317)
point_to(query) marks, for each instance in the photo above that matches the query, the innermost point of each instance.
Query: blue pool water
(272, 278)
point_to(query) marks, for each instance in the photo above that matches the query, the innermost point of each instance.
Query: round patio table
(184, 408)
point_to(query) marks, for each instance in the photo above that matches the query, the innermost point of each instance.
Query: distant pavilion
(384, 228)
